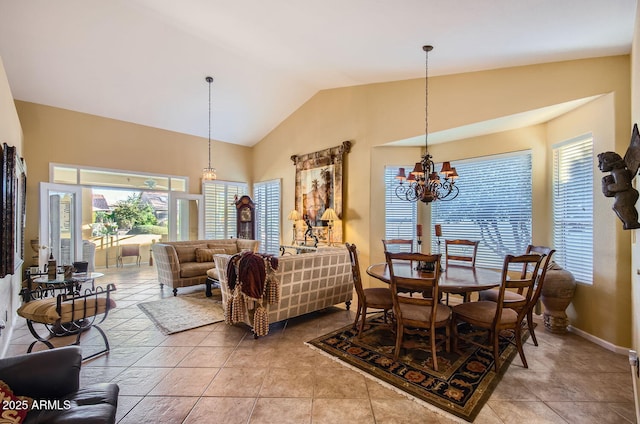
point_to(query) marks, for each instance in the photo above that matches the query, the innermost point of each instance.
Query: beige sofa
(185, 263)
(307, 283)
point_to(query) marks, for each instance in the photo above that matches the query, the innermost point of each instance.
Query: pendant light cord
(209, 80)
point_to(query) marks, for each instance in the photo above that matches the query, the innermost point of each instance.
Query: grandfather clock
(246, 218)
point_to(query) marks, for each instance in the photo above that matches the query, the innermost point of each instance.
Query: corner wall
(10, 133)
(376, 114)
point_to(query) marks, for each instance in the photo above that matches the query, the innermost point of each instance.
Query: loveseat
(306, 283)
(185, 263)
(51, 381)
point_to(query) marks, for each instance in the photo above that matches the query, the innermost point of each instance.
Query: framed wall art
(319, 187)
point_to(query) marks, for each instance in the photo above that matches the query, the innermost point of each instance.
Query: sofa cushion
(206, 255)
(230, 246)
(188, 253)
(195, 269)
(96, 403)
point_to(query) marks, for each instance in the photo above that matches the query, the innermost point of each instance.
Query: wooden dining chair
(373, 297)
(461, 250)
(498, 316)
(425, 311)
(516, 296)
(397, 245)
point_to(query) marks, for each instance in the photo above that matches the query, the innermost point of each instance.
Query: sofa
(48, 382)
(306, 283)
(185, 263)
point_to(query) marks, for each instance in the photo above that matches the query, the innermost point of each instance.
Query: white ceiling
(145, 61)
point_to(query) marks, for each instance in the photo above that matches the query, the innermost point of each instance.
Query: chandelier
(209, 173)
(424, 183)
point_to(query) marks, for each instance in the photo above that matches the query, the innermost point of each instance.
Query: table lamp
(330, 215)
(294, 216)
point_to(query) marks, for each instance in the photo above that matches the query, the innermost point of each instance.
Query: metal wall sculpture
(618, 183)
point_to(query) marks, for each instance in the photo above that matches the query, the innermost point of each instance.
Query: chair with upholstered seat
(461, 250)
(424, 312)
(129, 250)
(397, 245)
(374, 297)
(499, 316)
(516, 296)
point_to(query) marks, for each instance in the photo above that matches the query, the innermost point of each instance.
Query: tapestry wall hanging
(318, 187)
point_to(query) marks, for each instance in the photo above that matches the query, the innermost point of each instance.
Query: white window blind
(267, 199)
(494, 207)
(573, 207)
(219, 208)
(400, 216)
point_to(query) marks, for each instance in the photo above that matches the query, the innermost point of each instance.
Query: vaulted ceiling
(145, 61)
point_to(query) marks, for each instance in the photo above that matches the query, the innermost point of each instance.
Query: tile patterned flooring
(220, 374)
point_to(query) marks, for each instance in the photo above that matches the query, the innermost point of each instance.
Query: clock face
(245, 214)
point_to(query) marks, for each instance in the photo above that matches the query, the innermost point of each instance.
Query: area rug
(184, 312)
(461, 386)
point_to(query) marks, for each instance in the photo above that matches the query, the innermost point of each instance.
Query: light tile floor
(220, 374)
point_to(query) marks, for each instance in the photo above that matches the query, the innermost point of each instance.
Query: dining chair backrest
(397, 245)
(426, 283)
(529, 265)
(355, 269)
(461, 250)
(544, 266)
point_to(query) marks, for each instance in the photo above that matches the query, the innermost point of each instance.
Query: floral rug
(461, 386)
(183, 312)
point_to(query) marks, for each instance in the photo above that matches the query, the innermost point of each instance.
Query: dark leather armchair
(55, 375)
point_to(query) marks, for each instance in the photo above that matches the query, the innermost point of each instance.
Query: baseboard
(603, 343)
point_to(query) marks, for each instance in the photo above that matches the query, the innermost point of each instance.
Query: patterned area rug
(181, 313)
(461, 386)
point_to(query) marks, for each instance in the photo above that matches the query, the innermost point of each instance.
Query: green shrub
(148, 229)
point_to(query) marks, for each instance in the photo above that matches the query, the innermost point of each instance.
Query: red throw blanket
(250, 272)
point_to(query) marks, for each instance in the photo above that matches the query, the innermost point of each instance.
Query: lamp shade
(294, 215)
(329, 215)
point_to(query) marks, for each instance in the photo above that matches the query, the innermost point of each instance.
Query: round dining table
(458, 279)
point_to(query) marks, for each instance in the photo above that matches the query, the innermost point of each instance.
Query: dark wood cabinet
(246, 218)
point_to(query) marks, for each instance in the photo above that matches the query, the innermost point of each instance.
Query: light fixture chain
(209, 80)
(426, 101)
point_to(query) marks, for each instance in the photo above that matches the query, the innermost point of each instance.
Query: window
(400, 216)
(494, 207)
(573, 207)
(220, 209)
(267, 198)
(100, 177)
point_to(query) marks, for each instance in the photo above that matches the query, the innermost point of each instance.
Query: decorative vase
(557, 293)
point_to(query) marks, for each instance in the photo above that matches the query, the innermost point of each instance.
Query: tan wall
(635, 118)
(610, 283)
(10, 133)
(373, 115)
(63, 136)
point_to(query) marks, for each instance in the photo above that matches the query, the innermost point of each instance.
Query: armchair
(52, 378)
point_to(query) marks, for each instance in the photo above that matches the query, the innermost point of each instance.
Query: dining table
(456, 279)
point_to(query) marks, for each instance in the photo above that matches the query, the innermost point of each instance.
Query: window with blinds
(400, 216)
(220, 209)
(573, 207)
(494, 207)
(267, 199)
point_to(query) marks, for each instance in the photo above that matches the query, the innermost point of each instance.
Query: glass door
(60, 223)
(186, 217)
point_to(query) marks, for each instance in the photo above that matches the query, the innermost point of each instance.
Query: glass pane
(94, 177)
(179, 184)
(64, 175)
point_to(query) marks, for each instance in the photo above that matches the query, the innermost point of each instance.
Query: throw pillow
(13, 409)
(187, 253)
(206, 255)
